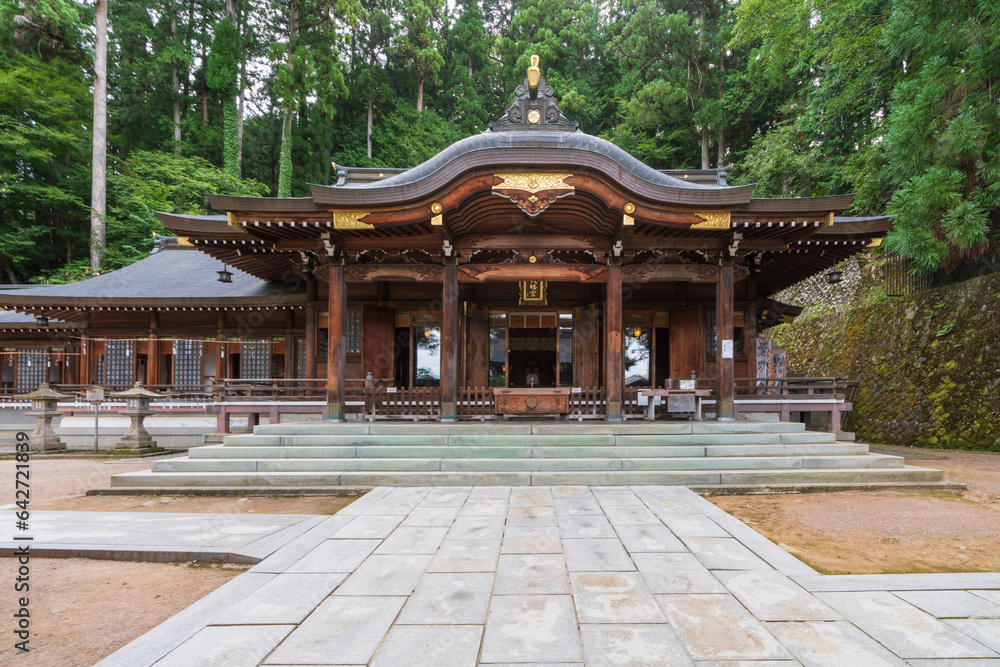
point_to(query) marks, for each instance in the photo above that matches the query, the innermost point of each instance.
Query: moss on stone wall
(928, 364)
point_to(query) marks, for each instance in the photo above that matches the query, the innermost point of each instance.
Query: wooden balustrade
(476, 403)
(402, 403)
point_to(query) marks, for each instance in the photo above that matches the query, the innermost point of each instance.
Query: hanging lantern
(225, 276)
(834, 277)
(42, 320)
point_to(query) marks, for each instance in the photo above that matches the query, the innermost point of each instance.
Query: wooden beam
(583, 273)
(532, 242)
(614, 374)
(695, 273)
(449, 343)
(365, 273)
(336, 360)
(419, 242)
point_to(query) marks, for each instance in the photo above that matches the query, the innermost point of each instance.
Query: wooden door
(586, 347)
(478, 349)
(378, 328)
(687, 343)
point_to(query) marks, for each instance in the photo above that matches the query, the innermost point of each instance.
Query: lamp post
(43, 408)
(137, 440)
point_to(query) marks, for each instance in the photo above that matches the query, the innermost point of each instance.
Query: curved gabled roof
(540, 149)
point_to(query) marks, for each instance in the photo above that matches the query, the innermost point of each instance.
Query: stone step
(528, 428)
(524, 464)
(547, 440)
(617, 451)
(715, 478)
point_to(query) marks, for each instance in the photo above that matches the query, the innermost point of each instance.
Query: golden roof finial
(534, 73)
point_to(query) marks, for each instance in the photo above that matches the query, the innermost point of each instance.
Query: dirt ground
(83, 610)
(864, 532)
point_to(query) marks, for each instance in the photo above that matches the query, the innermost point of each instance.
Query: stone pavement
(164, 537)
(496, 576)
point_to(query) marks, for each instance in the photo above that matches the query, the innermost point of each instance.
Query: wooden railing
(588, 403)
(793, 388)
(476, 403)
(78, 392)
(269, 389)
(402, 403)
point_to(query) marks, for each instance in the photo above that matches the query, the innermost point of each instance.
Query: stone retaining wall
(928, 364)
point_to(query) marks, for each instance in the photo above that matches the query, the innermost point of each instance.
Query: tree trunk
(722, 147)
(420, 94)
(704, 149)
(98, 178)
(288, 106)
(285, 156)
(371, 118)
(176, 81)
(231, 10)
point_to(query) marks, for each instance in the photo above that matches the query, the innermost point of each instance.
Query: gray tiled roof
(539, 139)
(170, 273)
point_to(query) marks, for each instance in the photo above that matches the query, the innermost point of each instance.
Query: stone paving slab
(234, 538)
(560, 576)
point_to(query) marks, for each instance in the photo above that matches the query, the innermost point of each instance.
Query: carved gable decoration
(534, 106)
(533, 192)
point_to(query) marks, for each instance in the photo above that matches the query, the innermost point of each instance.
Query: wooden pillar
(312, 327)
(724, 340)
(290, 349)
(613, 363)
(449, 343)
(153, 351)
(222, 363)
(336, 359)
(86, 352)
(750, 324)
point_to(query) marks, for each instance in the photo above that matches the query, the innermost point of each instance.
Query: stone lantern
(137, 440)
(43, 409)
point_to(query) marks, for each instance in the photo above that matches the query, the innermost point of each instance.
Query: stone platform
(704, 455)
(644, 575)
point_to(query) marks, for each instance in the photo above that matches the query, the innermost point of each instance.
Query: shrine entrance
(532, 349)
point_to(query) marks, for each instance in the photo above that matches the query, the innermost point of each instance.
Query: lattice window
(32, 369)
(322, 343)
(353, 337)
(188, 355)
(119, 364)
(255, 359)
(711, 334)
(300, 358)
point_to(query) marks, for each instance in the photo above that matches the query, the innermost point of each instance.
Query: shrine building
(532, 269)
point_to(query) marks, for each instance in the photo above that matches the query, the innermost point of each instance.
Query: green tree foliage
(306, 64)
(940, 152)
(418, 46)
(675, 61)
(222, 77)
(569, 39)
(44, 165)
(160, 181)
(821, 76)
(894, 100)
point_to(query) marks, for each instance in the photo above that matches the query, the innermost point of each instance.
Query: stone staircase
(317, 457)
